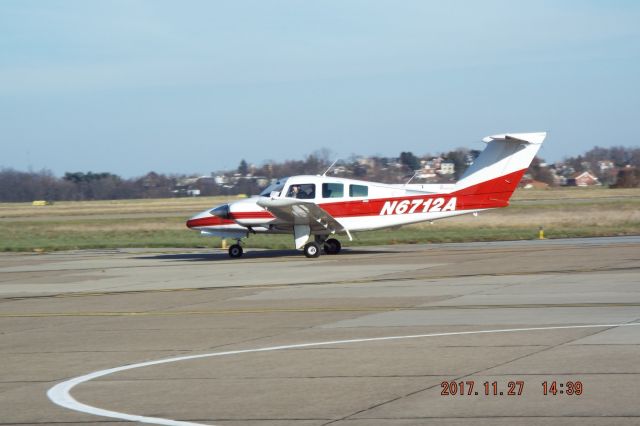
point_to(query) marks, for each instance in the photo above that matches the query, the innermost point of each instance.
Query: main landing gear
(312, 249)
(331, 246)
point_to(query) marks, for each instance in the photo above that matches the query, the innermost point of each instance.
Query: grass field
(566, 212)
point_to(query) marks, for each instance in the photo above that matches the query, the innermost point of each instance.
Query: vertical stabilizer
(495, 174)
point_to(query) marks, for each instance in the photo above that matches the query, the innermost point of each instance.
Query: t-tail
(493, 177)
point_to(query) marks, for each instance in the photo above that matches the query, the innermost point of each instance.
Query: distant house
(436, 161)
(447, 168)
(366, 161)
(188, 186)
(262, 181)
(221, 180)
(426, 172)
(582, 179)
(339, 170)
(606, 165)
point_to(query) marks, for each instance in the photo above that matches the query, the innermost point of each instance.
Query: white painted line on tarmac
(60, 393)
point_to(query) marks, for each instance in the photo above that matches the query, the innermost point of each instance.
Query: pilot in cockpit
(304, 191)
(294, 191)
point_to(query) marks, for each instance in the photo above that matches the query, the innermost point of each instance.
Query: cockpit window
(275, 187)
(302, 191)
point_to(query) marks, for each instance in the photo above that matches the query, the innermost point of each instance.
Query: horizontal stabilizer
(532, 138)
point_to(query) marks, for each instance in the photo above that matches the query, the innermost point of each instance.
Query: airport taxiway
(362, 338)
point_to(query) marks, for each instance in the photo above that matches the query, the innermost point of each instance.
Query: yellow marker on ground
(541, 233)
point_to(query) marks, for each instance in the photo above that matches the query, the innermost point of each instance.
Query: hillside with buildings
(616, 167)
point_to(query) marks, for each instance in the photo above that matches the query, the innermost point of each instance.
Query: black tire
(332, 246)
(235, 251)
(312, 249)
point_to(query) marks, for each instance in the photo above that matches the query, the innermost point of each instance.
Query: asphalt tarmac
(518, 333)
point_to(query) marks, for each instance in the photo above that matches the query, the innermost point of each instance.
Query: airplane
(324, 206)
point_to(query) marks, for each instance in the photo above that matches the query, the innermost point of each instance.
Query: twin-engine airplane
(324, 206)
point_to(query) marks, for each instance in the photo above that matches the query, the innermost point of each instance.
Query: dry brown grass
(598, 210)
(191, 205)
(119, 226)
(186, 206)
(564, 193)
(593, 215)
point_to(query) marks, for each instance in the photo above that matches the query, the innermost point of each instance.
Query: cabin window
(332, 190)
(358, 191)
(302, 191)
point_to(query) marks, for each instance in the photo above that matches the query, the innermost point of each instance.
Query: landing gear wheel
(332, 246)
(235, 250)
(312, 249)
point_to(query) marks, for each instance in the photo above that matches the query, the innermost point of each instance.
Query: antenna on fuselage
(415, 173)
(327, 171)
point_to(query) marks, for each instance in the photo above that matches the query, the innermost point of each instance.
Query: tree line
(20, 186)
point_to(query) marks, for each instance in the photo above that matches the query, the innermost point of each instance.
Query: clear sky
(194, 86)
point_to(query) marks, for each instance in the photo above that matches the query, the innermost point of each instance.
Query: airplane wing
(305, 216)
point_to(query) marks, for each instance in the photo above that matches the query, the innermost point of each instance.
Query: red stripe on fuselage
(251, 215)
(489, 194)
(208, 221)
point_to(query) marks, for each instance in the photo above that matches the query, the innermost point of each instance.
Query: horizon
(265, 162)
(196, 87)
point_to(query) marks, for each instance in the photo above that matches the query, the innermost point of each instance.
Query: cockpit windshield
(274, 187)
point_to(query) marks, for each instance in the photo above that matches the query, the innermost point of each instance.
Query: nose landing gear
(235, 250)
